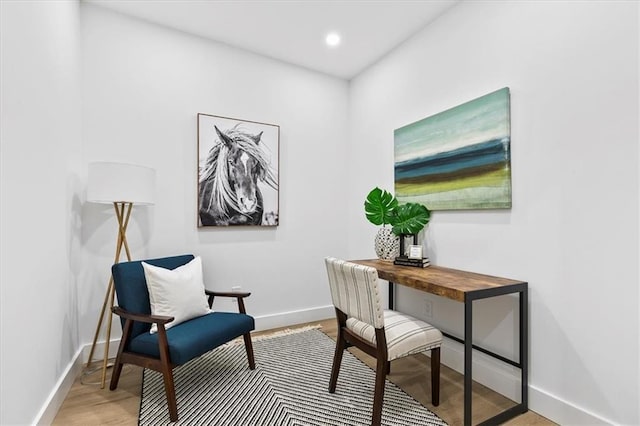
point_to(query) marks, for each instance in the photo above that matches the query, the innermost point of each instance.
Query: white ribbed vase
(387, 244)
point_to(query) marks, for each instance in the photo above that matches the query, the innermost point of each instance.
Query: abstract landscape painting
(459, 158)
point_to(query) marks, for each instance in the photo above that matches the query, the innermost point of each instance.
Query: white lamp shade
(119, 182)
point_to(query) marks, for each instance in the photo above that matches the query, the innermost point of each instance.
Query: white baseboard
(500, 377)
(98, 352)
(49, 410)
(284, 319)
(561, 411)
(505, 380)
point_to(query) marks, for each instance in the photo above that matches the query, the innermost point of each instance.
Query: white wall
(142, 88)
(573, 230)
(572, 233)
(40, 143)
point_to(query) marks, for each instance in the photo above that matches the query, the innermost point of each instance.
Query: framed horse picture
(238, 164)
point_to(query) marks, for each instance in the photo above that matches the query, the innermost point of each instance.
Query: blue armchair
(168, 348)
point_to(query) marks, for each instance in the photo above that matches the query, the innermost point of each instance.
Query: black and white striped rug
(288, 387)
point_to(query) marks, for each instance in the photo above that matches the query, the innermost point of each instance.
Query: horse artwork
(237, 177)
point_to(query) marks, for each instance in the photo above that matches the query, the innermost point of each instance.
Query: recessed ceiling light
(333, 39)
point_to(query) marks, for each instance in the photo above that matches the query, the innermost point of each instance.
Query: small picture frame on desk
(415, 252)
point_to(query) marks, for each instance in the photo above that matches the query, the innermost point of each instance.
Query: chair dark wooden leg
(115, 375)
(388, 367)
(337, 360)
(435, 376)
(117, 368)
(167, 373)
(249, 347)
(383, 366)
(170, 391)
(378, 396)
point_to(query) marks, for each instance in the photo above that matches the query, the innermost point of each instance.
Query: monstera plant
(382, 208)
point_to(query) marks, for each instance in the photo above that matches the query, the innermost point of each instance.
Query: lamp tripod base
(123, 212)
(87, 373)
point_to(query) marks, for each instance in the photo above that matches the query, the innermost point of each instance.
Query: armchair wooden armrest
(237, 295)
(227, 293)
(150, 319)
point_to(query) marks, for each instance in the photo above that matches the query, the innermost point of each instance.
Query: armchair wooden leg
(115, 374)
(435, 376)
(337, 360)
(167, 373)
(378, 397)
(170, 391)
(117, 368)
(249, 348)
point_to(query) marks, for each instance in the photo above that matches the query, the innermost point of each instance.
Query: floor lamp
(122, 185)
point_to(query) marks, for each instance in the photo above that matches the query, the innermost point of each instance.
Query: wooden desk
(466, 287)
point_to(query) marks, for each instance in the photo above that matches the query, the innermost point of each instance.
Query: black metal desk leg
(524, 347)
(391, 291)
(468, 342)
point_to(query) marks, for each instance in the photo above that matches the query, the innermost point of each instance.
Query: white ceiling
(294, 31)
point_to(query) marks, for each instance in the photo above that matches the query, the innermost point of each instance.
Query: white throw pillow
(177, 293)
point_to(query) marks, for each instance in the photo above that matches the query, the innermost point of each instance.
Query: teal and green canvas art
(459, 158)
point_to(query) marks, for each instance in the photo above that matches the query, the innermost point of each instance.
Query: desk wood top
(445, 282)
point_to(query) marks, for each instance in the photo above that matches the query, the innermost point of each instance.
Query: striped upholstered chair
(385, 335)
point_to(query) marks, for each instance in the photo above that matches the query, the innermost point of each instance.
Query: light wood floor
(90, 405)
